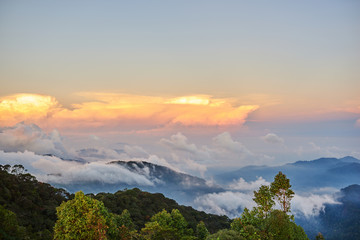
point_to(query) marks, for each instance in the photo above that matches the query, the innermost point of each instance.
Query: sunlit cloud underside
(109, 109)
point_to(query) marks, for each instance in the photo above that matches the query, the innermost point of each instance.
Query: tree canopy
(81, 218)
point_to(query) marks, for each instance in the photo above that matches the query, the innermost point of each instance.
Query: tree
(9, 226)
(262, 222)
(126, 228)
(226, 234)
(164, 225)
(81, 218)
(319, 236)
(201, 231)
(264, 199)
(280, 188)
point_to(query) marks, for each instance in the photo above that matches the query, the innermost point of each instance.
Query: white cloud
(55, 170)
(225, 143)
(242, 185)
(101, 154)
(273, 138)
(22, 137)
(240, 195)
(311, 205)
(225, 203)
(180, 142)
(222, 150)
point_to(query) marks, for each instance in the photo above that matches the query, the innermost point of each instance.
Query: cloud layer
(240, 195)
(30, 137)
(111, 110)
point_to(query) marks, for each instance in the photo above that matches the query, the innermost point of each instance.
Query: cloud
(226, 203)
(21, 107)
(273, 138)
(242, 185)
(312, 204)
(109, 110)
(357, 124)
(225, 143)
(232, 203)
(222, 150)
(239, 195)
(30, 137)
(180, 142)
(101, 154)
(57, 171)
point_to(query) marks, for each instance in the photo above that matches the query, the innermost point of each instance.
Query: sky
(200, 86)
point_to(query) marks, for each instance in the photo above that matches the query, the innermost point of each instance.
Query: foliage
(9, 226)
(125, 220)
(33, 202)
(264, 199)
(226, 234)
(201, 231)
(81, 218)
(280, 188)
(143, 205)
(263, 222)
(319, 236)
(164, 225)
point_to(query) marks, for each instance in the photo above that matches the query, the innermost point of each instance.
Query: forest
(30, 209)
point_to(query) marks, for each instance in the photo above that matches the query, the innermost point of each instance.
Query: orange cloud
(124, 110)
(21, 107)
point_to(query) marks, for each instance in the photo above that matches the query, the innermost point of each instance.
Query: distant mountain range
(304, 175)
(337, 221)
(180, 186)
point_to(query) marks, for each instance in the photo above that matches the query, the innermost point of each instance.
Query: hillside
(34, 204)
(180, 186)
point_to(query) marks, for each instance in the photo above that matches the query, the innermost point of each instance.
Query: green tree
(126, 228)
(9, 226)
(201, 231)
(264, 200)
(262, 222)
(226, 234)
(81, 218)
(319, 236)
(279, 225)
(247, 225)
(280, 188)
(164, 225)
(125, 219)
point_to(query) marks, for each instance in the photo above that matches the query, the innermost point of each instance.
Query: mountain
(33, 204)
(165, 175)
(304, 175)
(337, 221)
(180, 186)
(142, 205)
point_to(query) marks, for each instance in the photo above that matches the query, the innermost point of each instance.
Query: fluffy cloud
(226, 203)
(225, 143)
(180, 142)
(23, 137)
(21, 107)
(223, 149)
(273, 138)
(312, 204)
(57, 171)
(109, 110)
(240, 195)
(101, 153)
(242, 185)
